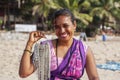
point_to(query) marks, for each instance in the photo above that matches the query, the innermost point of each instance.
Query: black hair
(64, 12)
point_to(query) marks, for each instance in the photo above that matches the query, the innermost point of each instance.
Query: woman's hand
(26, 65)
(35, 36)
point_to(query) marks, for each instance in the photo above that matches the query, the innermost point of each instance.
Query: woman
(69, 56)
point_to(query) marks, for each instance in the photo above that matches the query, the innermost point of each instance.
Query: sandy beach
(13, 44)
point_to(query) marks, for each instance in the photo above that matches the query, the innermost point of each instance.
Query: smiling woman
(64, 24)
(68, 56)
(64, 28)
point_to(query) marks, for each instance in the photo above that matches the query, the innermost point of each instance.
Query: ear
(74, 25)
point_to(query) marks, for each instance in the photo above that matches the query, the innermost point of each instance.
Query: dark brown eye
(65, 25)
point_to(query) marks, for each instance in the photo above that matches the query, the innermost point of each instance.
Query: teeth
(63, 35)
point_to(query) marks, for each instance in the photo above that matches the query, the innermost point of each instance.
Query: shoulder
(79, 42)
(82, 45)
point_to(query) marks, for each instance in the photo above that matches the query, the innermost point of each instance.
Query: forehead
(62, 20)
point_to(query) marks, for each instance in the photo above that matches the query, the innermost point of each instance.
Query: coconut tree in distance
(44, 7)
(103, 9)
(74, 6)
(7, 5)
(116, 11)
(86, 11)
(34, 10)
(101, 12)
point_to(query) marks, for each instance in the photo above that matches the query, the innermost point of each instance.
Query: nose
(62, 29)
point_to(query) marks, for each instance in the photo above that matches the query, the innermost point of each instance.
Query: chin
(64, 39)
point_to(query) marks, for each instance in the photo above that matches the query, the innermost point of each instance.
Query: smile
(63, 35)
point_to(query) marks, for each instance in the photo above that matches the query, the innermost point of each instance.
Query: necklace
(56, 52)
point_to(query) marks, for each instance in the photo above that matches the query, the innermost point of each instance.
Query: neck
(65, 43)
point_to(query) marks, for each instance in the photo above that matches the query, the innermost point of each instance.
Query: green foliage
(86, 11)
(0, 21)
(105, 10)
(74, 6)
(116, 13)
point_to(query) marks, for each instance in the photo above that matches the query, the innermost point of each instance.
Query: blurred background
(91, 15)
(98, 21)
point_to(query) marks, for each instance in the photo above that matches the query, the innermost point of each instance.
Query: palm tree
(44, 7)
(41, 9)
(74, 6)
(115, 11)
(84, 10)
(5, 4)
(103, 10)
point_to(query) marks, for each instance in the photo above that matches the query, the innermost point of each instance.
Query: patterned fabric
(41, 60)
(71, 67)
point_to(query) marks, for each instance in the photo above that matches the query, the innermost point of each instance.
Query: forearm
(95, 78)
(26, 66)
(91, 68)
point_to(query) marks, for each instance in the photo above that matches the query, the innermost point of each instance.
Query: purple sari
(72, 66)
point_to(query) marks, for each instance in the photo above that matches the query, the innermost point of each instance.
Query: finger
(42, 35)
(36, 34)
(39, 34)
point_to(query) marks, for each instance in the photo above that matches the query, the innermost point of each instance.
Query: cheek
(57, 33)
(71, 30)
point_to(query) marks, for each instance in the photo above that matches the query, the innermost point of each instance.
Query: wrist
(28, 51)
(30, 43)
(29, 46)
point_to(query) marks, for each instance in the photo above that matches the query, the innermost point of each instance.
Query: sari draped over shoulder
(72, 65)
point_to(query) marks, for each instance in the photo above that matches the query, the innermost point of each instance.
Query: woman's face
(64, 28)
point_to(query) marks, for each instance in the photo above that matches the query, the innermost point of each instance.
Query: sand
(13, 44)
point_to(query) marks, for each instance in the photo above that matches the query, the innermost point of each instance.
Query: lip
(63, 35)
